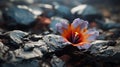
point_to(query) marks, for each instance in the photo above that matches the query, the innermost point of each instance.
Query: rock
(14, 39)
(41, 9)
(41, 45)
(27, 63)
(18, 15)
(54, 42)
(86, 12)
(17, 36)
(23, 2)
(1, 16)
(3, 50)
(44, 63)
(36, 10)
(107, 51)
(20, 53)
(107, 26)
(102, 48)
(56, 62)
(114, 34)
(28, 47)
(62, 11)
(1, 45)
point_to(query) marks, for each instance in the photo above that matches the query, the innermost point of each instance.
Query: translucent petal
(76, 22)
(83, 25)
(94, 33)
(92, 38)
(85, 46)
(79, 22)
(61, 26)
(64, 25)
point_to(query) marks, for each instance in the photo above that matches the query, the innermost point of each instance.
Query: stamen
(76, 33)
(75, 37)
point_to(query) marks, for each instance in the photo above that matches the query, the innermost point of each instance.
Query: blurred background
(90, 10)
(109, 8)
(25, 14)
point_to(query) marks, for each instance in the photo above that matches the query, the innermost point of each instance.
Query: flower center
(74, 38)
(76, 33)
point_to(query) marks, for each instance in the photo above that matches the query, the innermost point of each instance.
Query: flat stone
(20, 53)
(17, 35)
(102, 48)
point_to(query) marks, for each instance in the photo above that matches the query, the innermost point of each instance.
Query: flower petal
(83, 25)
(61, 26)
(85, 46)
(76, 22)
(79, 22)
(93, 34)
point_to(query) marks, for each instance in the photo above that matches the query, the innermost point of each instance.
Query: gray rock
(54, 42)
(36, 10)
(20, 53)
(107, 26)
(56, 62)
(41, 45)
(1, 18)
(30, 50)
(17, 36)
(43, 9)
(29, 63)
(28, 46)
(87, 12)
(1, 45)
(103, 48)
(3, 50)
(84, 9)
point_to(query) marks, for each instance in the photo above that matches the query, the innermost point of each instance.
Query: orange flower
(77, 33)
(76, 36)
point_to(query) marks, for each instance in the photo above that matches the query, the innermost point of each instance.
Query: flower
(77, 34)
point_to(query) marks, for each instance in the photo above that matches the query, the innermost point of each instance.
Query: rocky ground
(29, 38)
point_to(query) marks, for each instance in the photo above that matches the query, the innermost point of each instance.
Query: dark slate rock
(54, 42)
(1, 16)
(36, 10)
(86, 12)
(13, 39)
(62, 11)
(18, 15)
(47, 9)
(22, 2)
(27, 63)
(17, 36)
(107, 26)
(20, 53)
(57, 62)
(105, 49)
